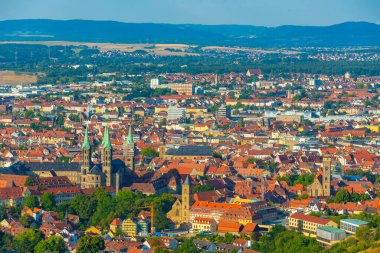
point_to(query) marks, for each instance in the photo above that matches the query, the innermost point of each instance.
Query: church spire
(130, 137)
(86, 141)
(106, 142)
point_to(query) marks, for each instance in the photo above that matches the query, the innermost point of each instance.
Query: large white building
(176, 113)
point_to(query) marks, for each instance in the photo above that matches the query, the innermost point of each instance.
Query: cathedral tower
(129, 151)
(106, 156)
(86, 154)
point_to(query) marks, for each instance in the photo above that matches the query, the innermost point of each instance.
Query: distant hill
(345, 34)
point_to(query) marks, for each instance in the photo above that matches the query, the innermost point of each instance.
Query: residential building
(204, 225)
(129, 227)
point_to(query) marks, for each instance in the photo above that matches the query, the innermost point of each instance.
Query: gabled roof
(304, 217)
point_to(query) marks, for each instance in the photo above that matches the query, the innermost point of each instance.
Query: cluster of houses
(231, 160)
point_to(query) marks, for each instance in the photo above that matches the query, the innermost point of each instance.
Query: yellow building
(321, 186)
(180, 212)
(204, 224)
(200, 128)
(195, 112)
(308, 224)
(240, 201)
(129, 227)
(93, 230)
(373, 128)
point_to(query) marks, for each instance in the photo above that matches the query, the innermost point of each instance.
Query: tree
(28, 182)
(252, 160)
(26, 220)
(188, 247)
(60, 120)
(48, 201)
(88, 244)
(31, 201)
(241, 122)
(342, 196)
(217, 155)
(328, 104)
(160, 250)
(5, 242)
(202, 188)
(27, 240)
(229, 238)
(149, 151)
(53, 244)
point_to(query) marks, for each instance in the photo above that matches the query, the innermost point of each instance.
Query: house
(204, 224)
(229, 227)
(249, 228)
(164, 242)
(242, 243)
(252, 72)
(93, 230)
(143, 226)
(115, 224)
(204, 244)
(129, 227)
(11, 196)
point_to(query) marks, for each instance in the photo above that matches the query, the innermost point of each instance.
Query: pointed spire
(130, 137)
(187, 181)
(106, 142)
(86, 141)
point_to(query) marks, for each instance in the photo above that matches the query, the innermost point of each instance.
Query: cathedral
(180, 212)
(86, 174)
(106, 173)
(321, 187)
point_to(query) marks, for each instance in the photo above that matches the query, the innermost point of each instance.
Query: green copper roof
(355, 221)
(130, 137)
(331, 229)
(106, 142)
(86, 141)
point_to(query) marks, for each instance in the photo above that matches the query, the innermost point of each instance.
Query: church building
(321, 187)
(180, 212)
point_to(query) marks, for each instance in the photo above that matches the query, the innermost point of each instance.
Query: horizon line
(158, 23)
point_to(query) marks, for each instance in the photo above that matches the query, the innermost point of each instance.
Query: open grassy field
(158, 49)
(12, 77)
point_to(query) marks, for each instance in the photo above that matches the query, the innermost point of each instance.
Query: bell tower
(86, 154)
(326, 175)
(129, 151)
(106, 156)
(186, 201)
(86, 158)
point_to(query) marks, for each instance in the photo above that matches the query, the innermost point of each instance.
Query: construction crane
(151, 207)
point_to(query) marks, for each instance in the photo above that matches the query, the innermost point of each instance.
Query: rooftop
(355, 221)
(331, 229)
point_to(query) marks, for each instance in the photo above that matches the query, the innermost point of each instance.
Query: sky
(248, 12)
